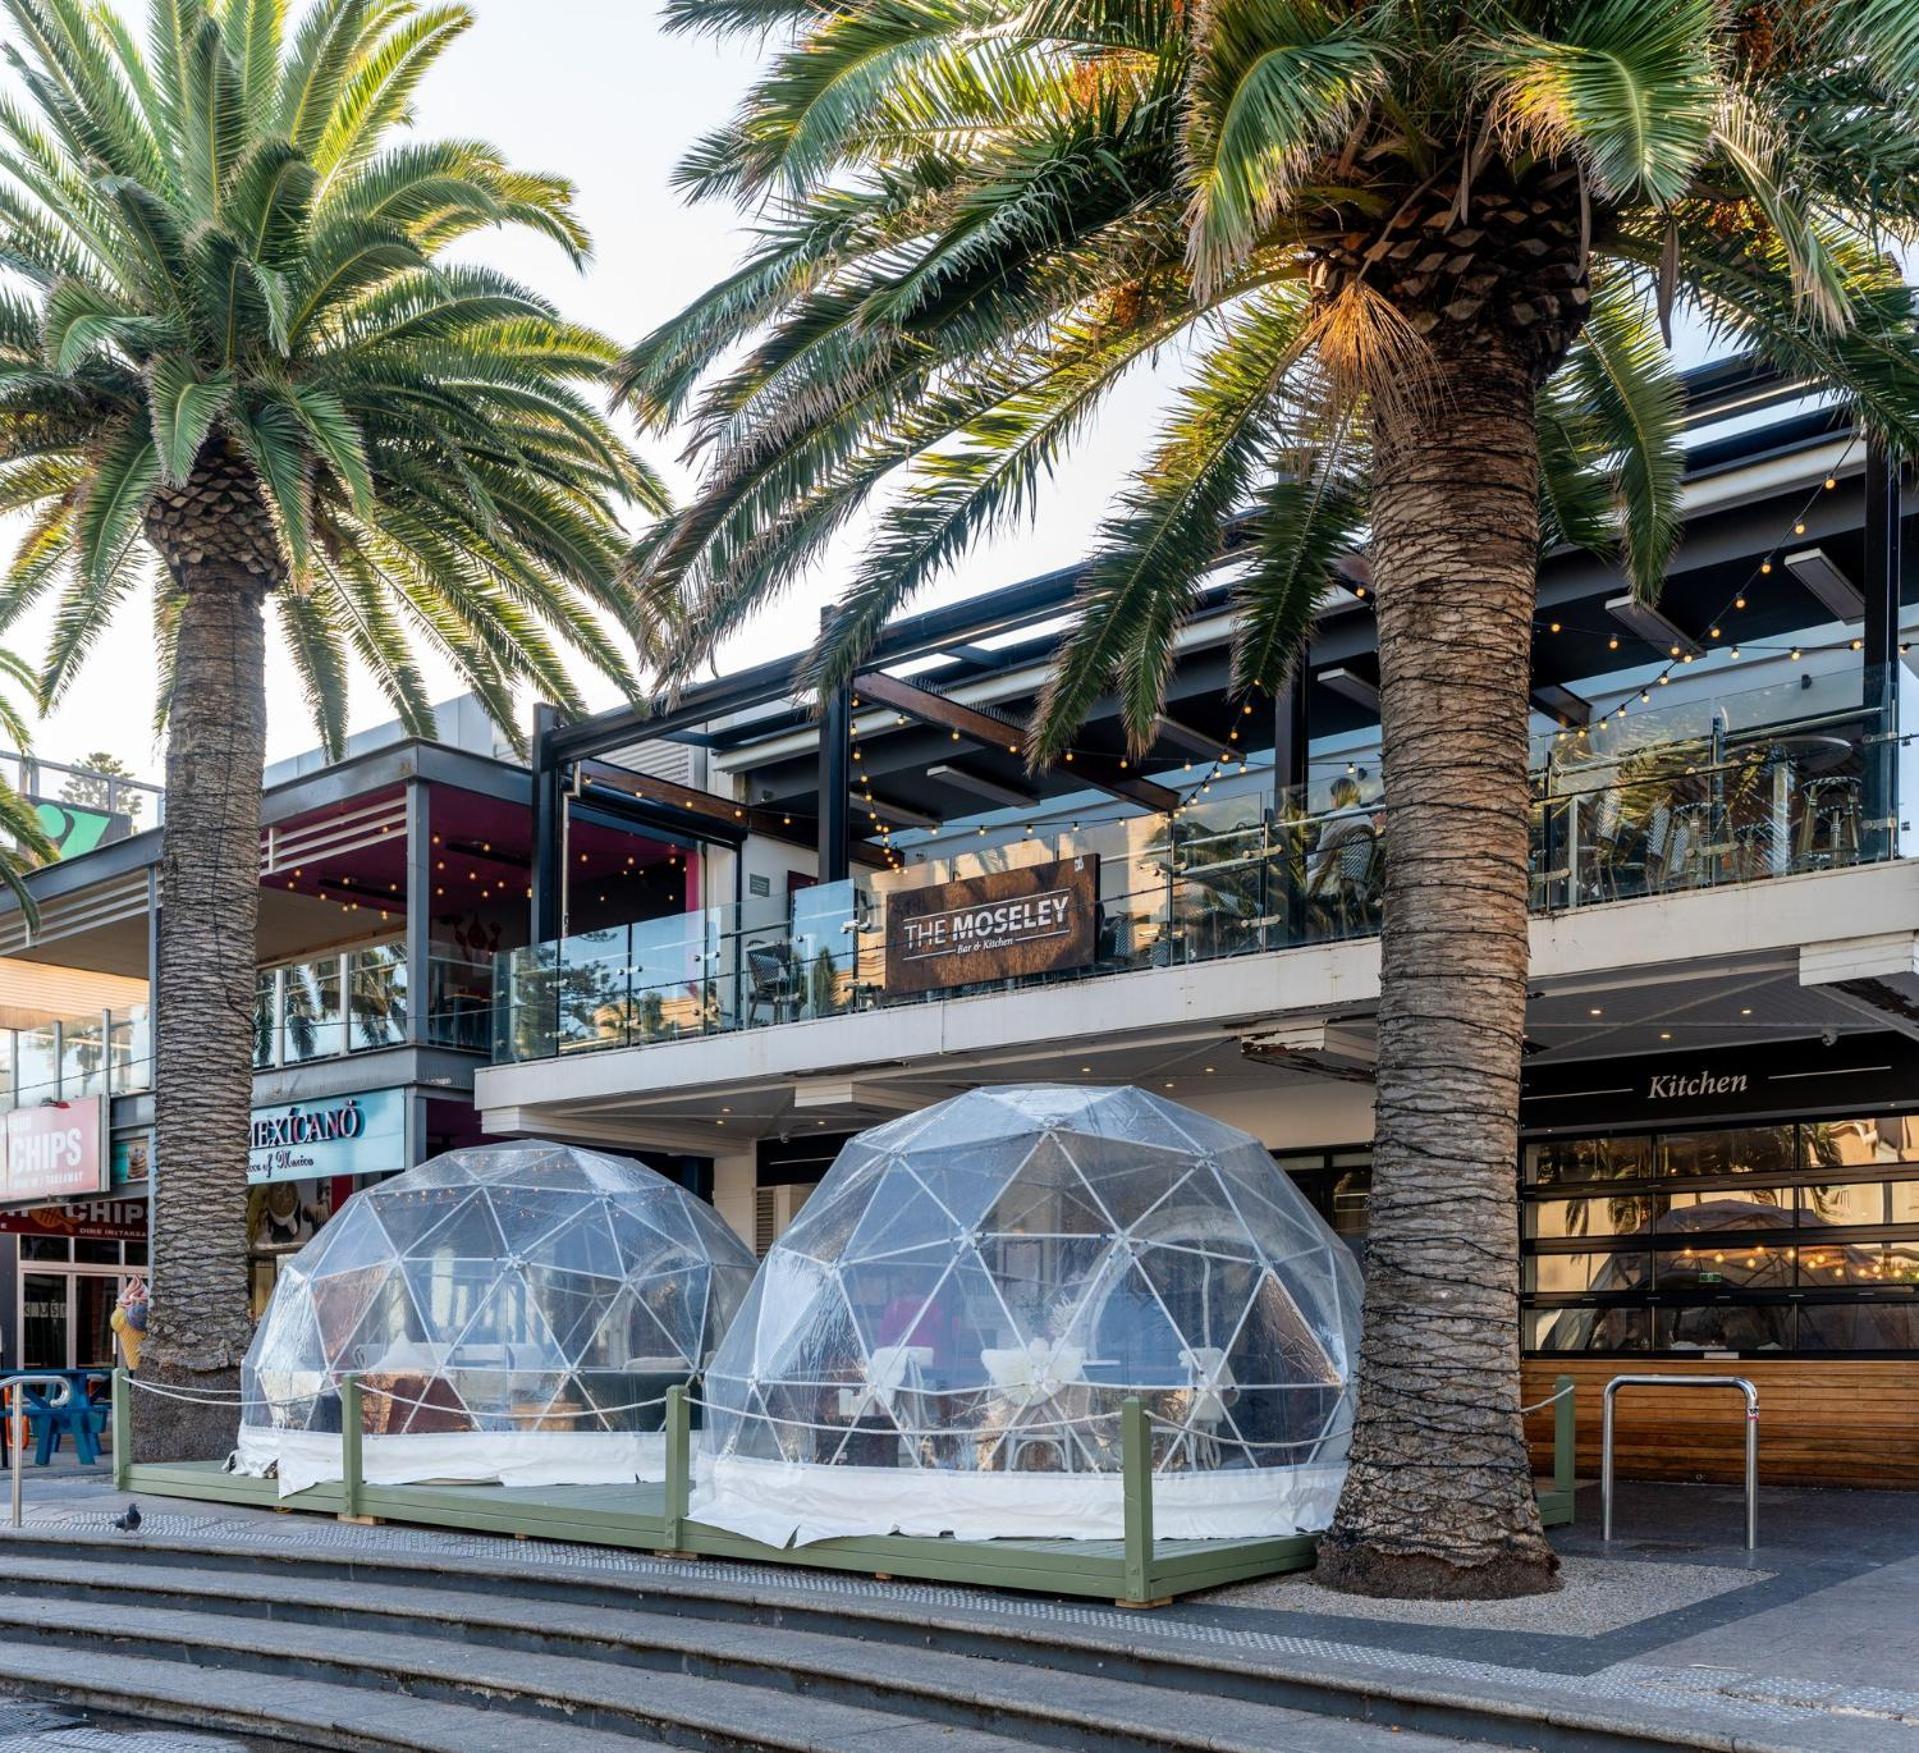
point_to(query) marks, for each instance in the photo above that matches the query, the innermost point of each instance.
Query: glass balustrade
(97, 1053)
(1736, 790)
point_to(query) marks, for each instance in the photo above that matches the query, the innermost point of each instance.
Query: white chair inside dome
(945, 1338)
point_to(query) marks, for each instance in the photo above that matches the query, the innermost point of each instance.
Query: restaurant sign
(1033, 920)
(55, 1151)
(362, 1134)
(97, 1220)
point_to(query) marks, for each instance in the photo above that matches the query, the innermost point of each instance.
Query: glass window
(39, 1064)
(136, 1253)
(1718, 1266)
(45, 1248)
(83, 1056)
(376, 984)
(1724, 1326)
(311, 1027)
(90, 1252)
(1844, 1204)
(1571, 1274)
(1590, 1159)
(1888, 1138)
(265, 1015)
(1859, 1326)
(1600, 1215)
(1738, 1150)
(1589, 1329)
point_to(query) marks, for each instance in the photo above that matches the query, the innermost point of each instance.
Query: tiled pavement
(27, 1727)
(1813, 1640)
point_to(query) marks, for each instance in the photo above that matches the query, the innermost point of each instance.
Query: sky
(594, 90)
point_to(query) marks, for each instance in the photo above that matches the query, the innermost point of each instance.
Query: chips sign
(1033, 920)
(56, 1152)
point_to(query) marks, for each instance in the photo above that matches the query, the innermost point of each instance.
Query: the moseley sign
(1032, 920)
(56, 1151)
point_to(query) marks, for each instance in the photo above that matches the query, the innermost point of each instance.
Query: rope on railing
(240, 1401)
(1541, 1405)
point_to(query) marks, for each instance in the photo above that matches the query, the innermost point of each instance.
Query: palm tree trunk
(203, 1045)
(1439, 1498)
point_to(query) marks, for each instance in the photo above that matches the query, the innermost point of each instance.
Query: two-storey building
(823, 919)
(390, 883)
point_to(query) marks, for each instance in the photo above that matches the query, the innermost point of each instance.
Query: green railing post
(679, 1467)
(1136, 1467)
(352, 1432)
(1565, 1431)
(122, 1429)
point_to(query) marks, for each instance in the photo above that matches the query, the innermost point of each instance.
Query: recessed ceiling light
(1596, 1011)
(1747, 1011)
(1665, 1034)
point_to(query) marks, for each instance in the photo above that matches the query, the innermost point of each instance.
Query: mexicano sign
(1030, 920)
(362, 1134)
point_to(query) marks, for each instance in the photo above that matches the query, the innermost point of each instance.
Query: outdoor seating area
(79, 1420)
(1737, 787)
(512, 1312)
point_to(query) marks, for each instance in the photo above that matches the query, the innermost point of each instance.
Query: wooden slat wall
(1820, 1422)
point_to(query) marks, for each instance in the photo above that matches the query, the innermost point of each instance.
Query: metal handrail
(17, 1418)
(1752, 1441)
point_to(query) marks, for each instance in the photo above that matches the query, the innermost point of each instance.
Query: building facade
(389, 882)
(826, 919)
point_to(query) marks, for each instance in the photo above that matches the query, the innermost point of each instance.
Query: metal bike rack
(17, 1419)
(1752, 1441)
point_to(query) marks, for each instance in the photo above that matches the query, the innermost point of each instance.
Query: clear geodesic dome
(945, 1338)
(514, 1312)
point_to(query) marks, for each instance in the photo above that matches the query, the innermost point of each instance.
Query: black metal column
(1291, 748)
(1879, 654)
(549, 849)
(835, 781)
(1290, 737)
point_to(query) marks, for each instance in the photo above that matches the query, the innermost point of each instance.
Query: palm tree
(1409, 258)
(235, 342)
(23, 838)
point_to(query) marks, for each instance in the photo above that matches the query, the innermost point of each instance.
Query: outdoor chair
(1828, 824)
(1210, 1378)
(1344, 880)
(769, 970)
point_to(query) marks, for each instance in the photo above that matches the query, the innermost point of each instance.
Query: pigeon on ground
(130, 1522)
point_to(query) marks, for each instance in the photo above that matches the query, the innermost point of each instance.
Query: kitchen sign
(362, 1134)
(1032, 920)
(55, 1152)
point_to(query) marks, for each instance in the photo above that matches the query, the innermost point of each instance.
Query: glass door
(46, 1321)
(94, 1294)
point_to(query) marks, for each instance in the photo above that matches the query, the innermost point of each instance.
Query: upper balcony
(1797, 773)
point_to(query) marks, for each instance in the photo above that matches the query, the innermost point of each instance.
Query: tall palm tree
(1410, 258)
(23, 839)
(235, 342)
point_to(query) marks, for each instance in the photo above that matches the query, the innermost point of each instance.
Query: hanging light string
(1677, 659)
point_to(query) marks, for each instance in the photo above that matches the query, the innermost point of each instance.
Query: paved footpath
(27, 1727)
(1812, 1642)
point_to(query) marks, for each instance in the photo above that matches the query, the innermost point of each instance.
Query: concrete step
(1047, 1644)
(540, 1691)
(592, 1656)
(304, 1713)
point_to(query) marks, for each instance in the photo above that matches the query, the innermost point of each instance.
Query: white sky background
(593, 90)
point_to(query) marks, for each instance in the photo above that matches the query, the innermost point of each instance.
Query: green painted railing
(122, 1429)
(352, 1436)
(1565, 1433)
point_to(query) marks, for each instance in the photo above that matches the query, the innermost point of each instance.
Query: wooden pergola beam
(688, 800)
(991, 731)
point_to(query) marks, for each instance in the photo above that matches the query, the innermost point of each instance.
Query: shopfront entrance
(1750, 1213)
(65, 1318)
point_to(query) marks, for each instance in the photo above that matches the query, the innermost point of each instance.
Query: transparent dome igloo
(944, 1339)
(515, 1312)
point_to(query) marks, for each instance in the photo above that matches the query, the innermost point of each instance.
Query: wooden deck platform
(1136, 1571)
